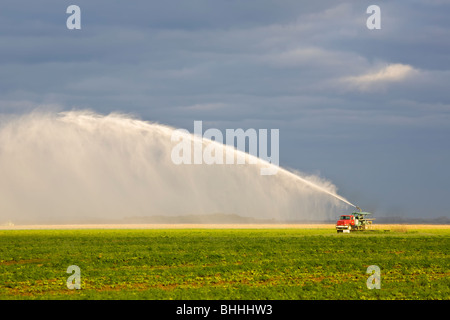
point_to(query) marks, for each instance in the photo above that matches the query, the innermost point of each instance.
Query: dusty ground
(167, 226)
(410, 226)
(217, 226)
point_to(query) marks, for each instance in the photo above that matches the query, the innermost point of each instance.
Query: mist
(80, 166)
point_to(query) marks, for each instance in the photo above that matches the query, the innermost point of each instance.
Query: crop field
(204, 263)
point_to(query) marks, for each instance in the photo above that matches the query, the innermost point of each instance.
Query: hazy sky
(367, 109)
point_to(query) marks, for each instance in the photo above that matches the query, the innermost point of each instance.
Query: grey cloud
(247, 64)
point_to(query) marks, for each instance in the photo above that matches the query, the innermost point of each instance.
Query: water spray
(319, 188)
(80, 166)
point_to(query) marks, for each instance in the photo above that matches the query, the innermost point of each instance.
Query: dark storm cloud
(353, 103)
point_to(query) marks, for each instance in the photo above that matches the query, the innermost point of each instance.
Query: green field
(224, 264)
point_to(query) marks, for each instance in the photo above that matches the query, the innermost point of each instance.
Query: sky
(367, 109)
